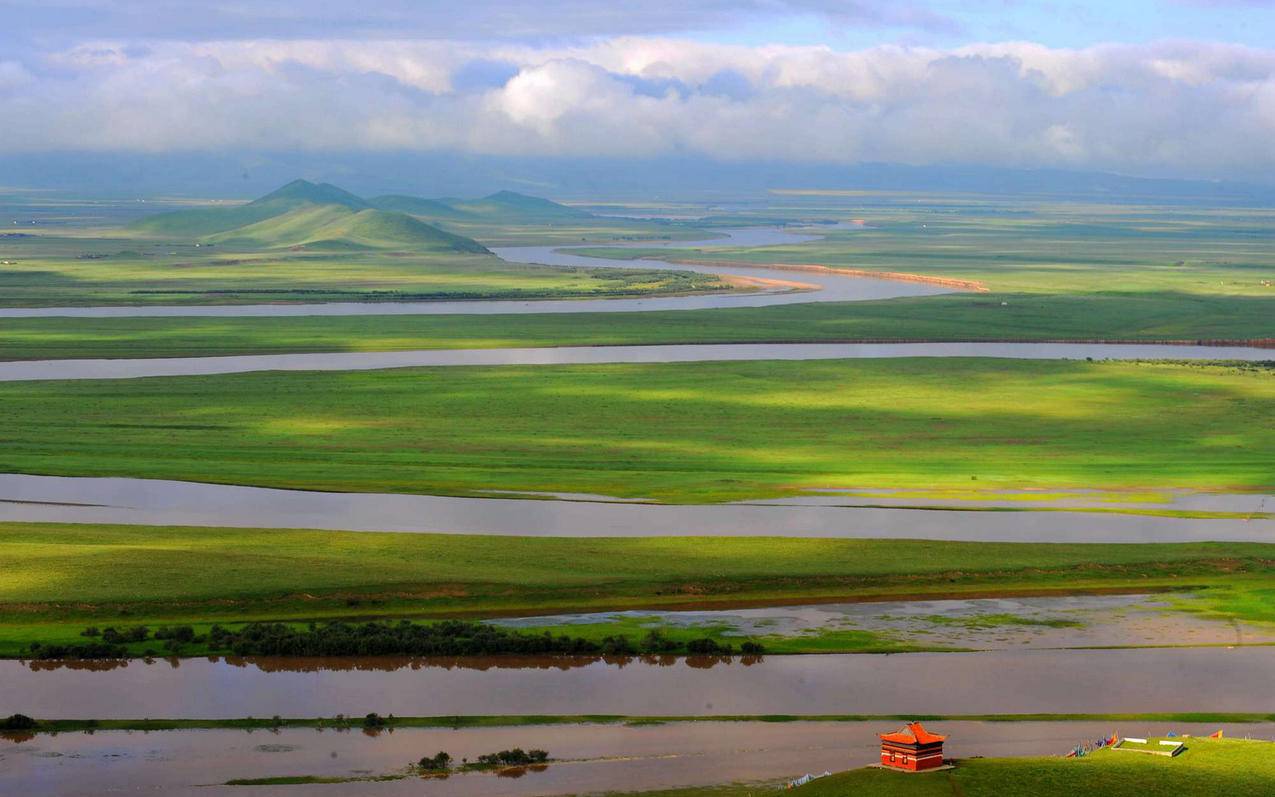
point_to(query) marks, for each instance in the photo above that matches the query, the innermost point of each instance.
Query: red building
(912, 748)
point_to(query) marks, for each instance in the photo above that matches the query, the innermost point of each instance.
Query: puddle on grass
(981, 624)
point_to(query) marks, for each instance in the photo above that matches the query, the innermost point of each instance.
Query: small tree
(435, 763)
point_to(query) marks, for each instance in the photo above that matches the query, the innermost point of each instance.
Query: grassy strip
(1207, 767)
(1151, 316)
(519, 720)
(61, 578)
(680, 433)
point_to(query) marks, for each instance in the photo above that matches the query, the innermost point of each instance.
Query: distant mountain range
(324, 216)
(389, 176)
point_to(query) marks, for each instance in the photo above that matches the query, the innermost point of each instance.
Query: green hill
(209, 221)
(511, 206)
(338, 226)
(301, 192)
(417, 206)
(263, 220)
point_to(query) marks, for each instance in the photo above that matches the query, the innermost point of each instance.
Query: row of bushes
(517, 757)
(110, 642)
(404, 638)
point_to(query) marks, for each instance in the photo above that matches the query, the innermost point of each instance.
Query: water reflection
(59, 499)
(1006, 681)
(304, 664)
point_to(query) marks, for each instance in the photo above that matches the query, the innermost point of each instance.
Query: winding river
(156, 502)
(16, 371)
(823, 287)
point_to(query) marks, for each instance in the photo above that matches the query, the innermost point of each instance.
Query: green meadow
(1053, 271)
(688, 432)
(59, 578)
(960, 316)
(91, 269)
(1208, 767)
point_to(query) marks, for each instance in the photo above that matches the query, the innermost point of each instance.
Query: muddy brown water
(595, 758)
(160, 502)
(1000, 682)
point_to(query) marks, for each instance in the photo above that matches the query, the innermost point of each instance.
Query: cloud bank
(1190, 108)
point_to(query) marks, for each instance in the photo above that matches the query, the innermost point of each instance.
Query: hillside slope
(294, 214)
(337, 226)
(209, 221)
(510, 205)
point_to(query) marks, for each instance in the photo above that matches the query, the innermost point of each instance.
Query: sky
(1148, 87)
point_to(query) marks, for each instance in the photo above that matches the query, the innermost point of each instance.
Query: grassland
(1208, 767)
(1054, 272)
(1144, 317)
(692, 432)
(60, 578)
(89, 268)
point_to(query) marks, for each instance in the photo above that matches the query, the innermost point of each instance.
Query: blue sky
(1078, 23)
(1160, 87)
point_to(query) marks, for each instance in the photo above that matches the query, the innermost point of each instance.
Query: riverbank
(692, 758)
(1207, 767)
(1005, 317)
(59, 579)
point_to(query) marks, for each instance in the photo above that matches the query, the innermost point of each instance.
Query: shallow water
(979, 623)
(160, 502)
(576, 355)
(601, 757)
(1000, 682)
(831, 288)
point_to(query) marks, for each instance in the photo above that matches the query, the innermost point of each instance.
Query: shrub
(179, 633)
(751, 648)
(373, 720)
(514, 757)
(435, 763)
(17, 722)
(137, 633)
(89, 650)
(445, 638)
(656, 642)
(702, 647)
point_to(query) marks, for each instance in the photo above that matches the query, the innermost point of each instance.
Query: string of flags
(1082, 750)
(806, 778)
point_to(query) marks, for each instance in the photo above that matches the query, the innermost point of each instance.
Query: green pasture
(76, 270)
(1208, 767)
(688, 432)
(60, 578)
(961, 316)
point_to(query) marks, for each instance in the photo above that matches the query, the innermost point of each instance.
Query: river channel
(991, 682)
(157, 502)
(819, 287)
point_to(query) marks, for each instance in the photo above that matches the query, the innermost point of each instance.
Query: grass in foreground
(60, 578)
(1208, 767)
(690, 432)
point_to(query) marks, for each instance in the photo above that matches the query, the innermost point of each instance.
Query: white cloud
(1197, 108)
